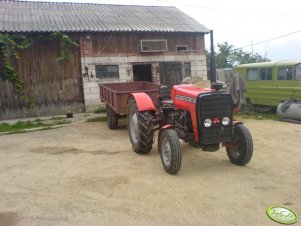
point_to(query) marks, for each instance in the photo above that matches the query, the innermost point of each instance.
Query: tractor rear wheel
(140, 127)
(242, 150)
(112, 118)
(170, 151)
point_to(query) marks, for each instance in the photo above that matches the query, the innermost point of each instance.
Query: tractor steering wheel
(166, 90)
(176, 83)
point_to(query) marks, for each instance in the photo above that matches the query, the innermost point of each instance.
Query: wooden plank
(50, 83)
(129, 43)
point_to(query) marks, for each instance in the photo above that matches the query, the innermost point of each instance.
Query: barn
(116, 43)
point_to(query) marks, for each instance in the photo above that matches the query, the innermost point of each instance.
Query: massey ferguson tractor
(200, 117)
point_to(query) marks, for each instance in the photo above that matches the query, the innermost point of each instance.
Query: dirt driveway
(86, 174)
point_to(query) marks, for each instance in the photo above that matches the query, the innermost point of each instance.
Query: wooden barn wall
(54, 86)
(129, 43)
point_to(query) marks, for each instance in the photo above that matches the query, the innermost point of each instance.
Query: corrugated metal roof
(18, 16)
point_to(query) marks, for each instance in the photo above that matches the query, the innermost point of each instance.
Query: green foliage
(65, 42)
(23, 126)
(100, 110)
(225, 56)
(12, 44)
(98, 119)
(5, 127)
(228, 56)
(57, 118)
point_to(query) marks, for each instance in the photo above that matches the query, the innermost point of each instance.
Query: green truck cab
(269, 83)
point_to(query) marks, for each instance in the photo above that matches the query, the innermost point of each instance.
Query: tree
(228, 56)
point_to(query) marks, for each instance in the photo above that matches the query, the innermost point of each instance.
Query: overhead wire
(213, 8)
(271, 39)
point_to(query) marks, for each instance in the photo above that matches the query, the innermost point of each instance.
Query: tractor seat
(165, 92)
(167, 102)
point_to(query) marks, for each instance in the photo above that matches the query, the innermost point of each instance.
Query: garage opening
(142, 72)
(170, 72)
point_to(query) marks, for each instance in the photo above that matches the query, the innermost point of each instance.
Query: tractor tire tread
(248, 145)
(146, 132)
(176, 158)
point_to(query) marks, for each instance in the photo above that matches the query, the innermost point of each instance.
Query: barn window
(181, 49)
(106, 71)
(153, 45)
(187, 69)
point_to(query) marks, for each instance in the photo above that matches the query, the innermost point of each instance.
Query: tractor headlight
(226, 121)
(207, 122)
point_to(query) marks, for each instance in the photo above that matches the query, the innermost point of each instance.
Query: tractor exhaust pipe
(212, 60)
(214, 85)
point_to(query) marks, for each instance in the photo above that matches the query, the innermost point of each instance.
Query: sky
(269, 28)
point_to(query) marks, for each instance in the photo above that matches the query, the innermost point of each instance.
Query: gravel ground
(86, 174)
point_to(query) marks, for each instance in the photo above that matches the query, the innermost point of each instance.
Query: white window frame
(154, 41)
(181, 51)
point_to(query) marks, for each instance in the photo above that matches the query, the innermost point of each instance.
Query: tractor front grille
(214, 106)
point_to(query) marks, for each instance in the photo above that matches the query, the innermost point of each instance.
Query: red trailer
(116, 96)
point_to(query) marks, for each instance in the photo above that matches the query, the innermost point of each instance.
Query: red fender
(234, 123)
(143, 101)
(167, 126)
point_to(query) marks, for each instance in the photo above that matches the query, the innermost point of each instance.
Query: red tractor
(199, 116)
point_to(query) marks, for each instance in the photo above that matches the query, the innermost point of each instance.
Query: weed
(98, 119)
(57, 118)
(23, 126)
(100, 110)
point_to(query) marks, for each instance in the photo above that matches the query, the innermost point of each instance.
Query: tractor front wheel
(242, 150)
(140, 127)
(170, 151)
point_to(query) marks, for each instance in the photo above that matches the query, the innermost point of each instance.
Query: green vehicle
(269, 83)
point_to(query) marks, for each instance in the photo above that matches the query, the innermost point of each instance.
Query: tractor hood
(189, 90)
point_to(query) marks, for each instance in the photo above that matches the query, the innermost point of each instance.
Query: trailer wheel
(112, 118)
(242, 150)
(170, 151)
(140, 127)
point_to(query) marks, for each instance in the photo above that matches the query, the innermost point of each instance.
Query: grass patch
(256, 115)
(23, 126)
(57, 118)
(100, 110)
(98, 119)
